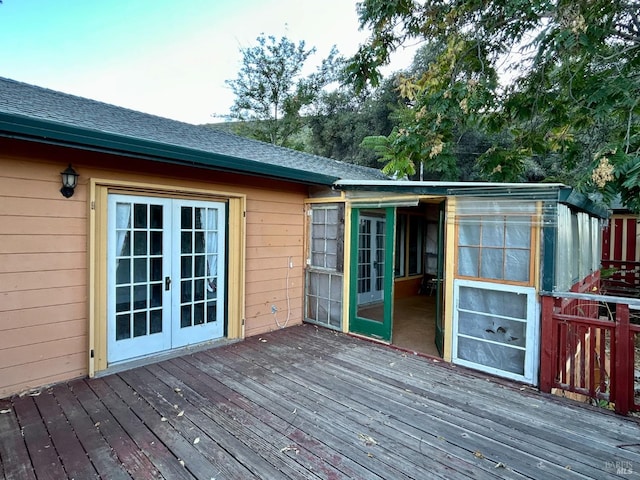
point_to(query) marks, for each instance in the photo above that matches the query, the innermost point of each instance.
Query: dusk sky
(168, 58)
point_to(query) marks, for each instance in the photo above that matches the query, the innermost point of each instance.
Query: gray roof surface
(85, 115)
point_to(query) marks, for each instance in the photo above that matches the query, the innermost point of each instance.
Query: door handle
(167, 283)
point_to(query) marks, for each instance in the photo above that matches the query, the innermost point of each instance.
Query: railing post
(547, 345)
(624, 375)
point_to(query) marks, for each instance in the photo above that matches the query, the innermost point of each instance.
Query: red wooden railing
(589, 347)
(621, 278)
(621, 256)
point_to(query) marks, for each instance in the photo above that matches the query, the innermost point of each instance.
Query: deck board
(13, 451)
(41, 451)
(63, 438)
(542, 443)
(94, 444)
(309, 403)
(343, 454)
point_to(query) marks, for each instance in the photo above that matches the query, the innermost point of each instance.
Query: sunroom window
(324, 274)
(496, 247)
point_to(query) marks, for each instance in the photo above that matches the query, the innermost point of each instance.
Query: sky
(164, 57)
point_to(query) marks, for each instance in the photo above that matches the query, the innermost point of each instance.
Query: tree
(271, 93)
(343, 119)
(569, 99)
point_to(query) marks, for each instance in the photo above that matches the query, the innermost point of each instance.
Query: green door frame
(361, 325)
(440, 280)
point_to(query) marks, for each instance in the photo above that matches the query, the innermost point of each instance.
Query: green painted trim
(439, 340)
(582, 202)
(353, 269)
(360, 325)
(541, 191)
(549, 240)
(49, 132)
(496, 190)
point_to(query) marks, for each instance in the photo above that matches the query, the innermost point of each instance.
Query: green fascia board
(541, 191)
(427, 190)
(44, 131)
(582, 202)
(447, 189)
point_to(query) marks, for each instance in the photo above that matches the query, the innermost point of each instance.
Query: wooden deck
(308, 403)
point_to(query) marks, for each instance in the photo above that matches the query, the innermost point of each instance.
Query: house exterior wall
(43, 328)
(44, 320)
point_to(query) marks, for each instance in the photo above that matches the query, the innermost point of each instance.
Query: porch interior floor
(312, 403)
(414, 324)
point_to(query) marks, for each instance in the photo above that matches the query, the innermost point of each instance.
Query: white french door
(371, 259)
(165, 274)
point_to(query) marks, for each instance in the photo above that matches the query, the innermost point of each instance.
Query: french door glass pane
(198, 265)
(138, 272)
(156, 321)
(364, 256)
(139, 324)
(212, 314)
(140, 215)
(156, 217)
(379, 255)
(123, 326)
(123, 271)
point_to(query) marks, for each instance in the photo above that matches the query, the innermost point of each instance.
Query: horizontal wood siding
(43, 328)
(275, 228)
(43, 254)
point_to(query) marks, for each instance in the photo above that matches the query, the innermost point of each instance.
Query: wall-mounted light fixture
(69, 181)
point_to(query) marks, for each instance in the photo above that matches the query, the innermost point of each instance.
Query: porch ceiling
(308, 403)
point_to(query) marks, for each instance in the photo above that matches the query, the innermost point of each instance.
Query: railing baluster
(593, 332)
(624, 370)
(549, 333)
(563, 347)
(602, 358)
(582, 368)
(589, 354)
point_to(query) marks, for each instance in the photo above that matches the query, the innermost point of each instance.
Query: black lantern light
(69, 181)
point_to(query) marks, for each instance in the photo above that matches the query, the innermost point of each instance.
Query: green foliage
(343, 119)
(271, 94)
(569, 100)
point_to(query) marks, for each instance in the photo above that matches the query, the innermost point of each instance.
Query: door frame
(439, 340)
(97, 199)
(357, 324)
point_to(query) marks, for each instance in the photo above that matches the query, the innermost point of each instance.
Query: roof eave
(50, 132)
(449, 188)
(581, 202)
(546, 191)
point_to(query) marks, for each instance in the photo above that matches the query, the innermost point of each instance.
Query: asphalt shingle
(37, 103)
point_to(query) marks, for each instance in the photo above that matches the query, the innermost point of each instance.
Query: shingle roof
(41, 114)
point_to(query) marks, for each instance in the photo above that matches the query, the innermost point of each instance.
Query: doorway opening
(418, 279)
